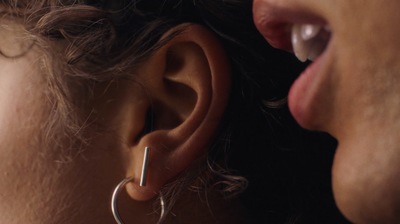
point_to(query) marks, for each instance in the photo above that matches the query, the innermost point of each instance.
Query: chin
(371, 210)
(362, 193)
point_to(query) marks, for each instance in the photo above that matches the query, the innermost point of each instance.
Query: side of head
(106, 79)
(78, 102)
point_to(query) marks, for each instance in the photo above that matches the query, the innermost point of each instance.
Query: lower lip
(303, 94)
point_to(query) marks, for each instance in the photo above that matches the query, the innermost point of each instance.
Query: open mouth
(309, 41)
(303, 33)
(296, 29)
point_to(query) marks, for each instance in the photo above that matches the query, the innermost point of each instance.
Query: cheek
(366, 172)
(21, 106)
(366, 74)
(20, 112)
(37, 180)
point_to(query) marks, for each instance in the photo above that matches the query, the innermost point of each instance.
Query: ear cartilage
(143, 177)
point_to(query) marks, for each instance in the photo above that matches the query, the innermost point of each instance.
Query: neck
(209, 207)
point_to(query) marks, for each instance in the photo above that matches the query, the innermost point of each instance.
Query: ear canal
(148, 125)
(187, 81)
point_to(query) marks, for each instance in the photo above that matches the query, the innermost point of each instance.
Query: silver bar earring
(143, 178)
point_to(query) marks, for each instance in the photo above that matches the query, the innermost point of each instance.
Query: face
(39, 184)
(350, 90)
(49, 181)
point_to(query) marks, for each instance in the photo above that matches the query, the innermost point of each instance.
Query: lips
(296, 29)
(291, 29)
(275, 22)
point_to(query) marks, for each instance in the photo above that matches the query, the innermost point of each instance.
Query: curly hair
(89, 42)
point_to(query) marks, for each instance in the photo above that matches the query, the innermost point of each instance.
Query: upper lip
(274, 22)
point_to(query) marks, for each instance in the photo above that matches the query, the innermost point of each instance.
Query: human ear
(187, 83)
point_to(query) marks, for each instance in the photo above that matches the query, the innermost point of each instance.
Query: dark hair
(289, 176)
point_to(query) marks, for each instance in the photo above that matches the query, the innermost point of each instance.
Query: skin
(356, 99)
(49, 182)
(45, 180)
(37, 179)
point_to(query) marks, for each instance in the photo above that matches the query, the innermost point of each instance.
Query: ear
(187, 83)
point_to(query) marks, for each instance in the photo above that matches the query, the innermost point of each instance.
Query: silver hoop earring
(117, 190)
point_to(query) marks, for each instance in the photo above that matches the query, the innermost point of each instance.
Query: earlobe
(188, 82)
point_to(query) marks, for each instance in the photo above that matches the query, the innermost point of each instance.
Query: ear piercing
(143, 178)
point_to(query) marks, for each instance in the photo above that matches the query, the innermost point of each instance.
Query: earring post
(143, 177)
